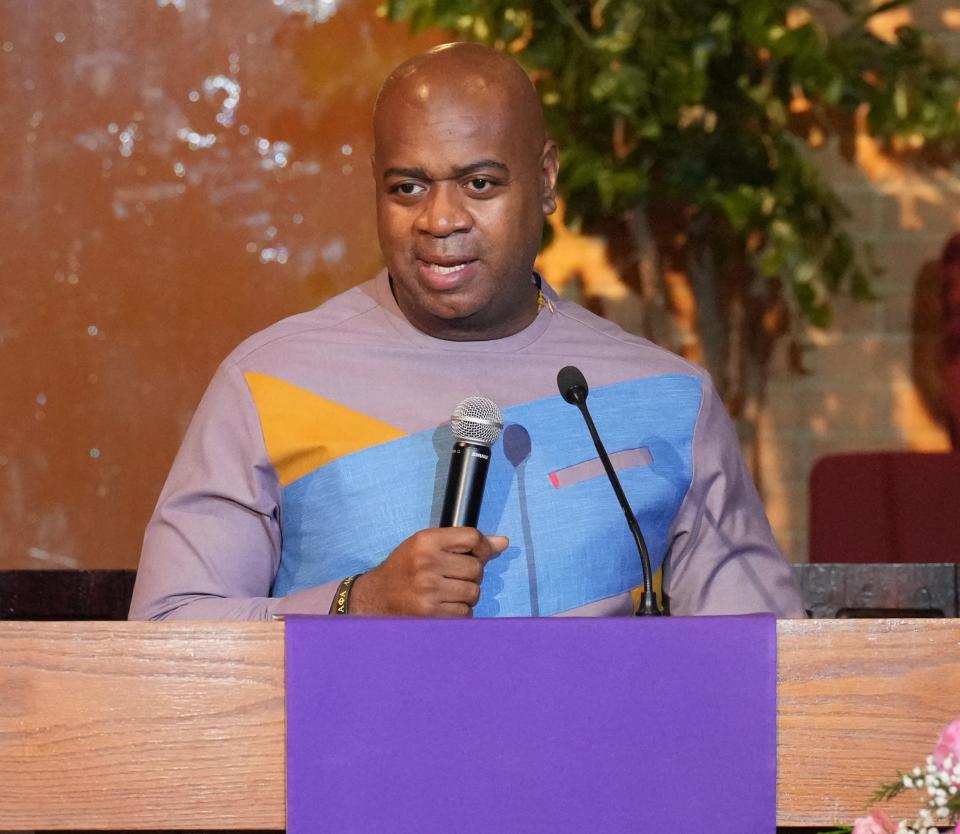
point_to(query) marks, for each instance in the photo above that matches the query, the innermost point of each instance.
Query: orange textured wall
(175, 175)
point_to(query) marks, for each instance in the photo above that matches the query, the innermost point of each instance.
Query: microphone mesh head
(477, 420)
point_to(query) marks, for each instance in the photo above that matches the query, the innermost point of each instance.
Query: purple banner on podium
(408, 726)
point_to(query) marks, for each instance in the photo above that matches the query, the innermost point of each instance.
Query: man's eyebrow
(483, 164)
(463, 171)
(412, 173)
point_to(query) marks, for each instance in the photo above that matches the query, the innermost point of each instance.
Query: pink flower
(949, 742)
(876, 822)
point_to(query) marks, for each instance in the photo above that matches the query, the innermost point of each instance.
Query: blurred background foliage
(684, 131)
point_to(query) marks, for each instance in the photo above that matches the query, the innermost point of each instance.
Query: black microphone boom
(476, 424)
(573, 388)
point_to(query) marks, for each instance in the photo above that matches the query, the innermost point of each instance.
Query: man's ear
(549, 169)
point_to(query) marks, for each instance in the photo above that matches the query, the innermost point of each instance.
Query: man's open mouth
(447, 269)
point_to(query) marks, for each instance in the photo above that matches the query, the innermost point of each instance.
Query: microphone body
(476, 425)
(465, 483)
(574, 389)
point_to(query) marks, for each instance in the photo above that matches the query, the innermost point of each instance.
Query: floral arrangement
(939, 780)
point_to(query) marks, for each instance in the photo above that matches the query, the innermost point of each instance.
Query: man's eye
(481, 184)
(406, 189)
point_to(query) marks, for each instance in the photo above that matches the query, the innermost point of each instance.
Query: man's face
(461, 195)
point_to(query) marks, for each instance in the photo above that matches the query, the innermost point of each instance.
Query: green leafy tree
(683, 129)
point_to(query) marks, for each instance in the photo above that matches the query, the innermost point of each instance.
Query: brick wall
(864, 392)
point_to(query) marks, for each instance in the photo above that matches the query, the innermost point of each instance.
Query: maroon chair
(885, 507)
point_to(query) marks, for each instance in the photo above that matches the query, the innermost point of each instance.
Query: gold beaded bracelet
(341, 600)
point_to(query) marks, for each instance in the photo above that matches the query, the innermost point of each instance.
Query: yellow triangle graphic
(303, 431)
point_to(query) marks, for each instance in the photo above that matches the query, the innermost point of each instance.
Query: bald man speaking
(311, 477)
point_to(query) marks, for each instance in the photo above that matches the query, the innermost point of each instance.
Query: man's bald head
(464, 178)
(468, 72)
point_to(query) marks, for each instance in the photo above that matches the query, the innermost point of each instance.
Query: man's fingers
(458, 591)
(479, 548)
(466, 540)
(454, 609)
(489, 546)
(463, 566)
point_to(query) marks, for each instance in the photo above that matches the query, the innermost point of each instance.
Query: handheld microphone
(476, 425)
(573, 388)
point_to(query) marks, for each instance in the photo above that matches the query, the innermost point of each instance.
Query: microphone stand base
(648, 605)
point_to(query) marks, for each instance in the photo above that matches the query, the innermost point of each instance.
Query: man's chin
(451, 321)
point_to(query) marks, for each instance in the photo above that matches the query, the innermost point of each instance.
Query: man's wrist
(341, 599)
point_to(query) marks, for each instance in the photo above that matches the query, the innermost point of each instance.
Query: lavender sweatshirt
(323, 441)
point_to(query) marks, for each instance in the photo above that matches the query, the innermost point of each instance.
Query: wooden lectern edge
(115, 725)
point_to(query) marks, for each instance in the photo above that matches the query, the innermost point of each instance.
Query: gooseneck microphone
(476, 425)
(573, 388)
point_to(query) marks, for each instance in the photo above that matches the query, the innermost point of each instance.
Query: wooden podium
(181, 725)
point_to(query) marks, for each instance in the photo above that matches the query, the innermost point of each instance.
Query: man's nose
(443, 211)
